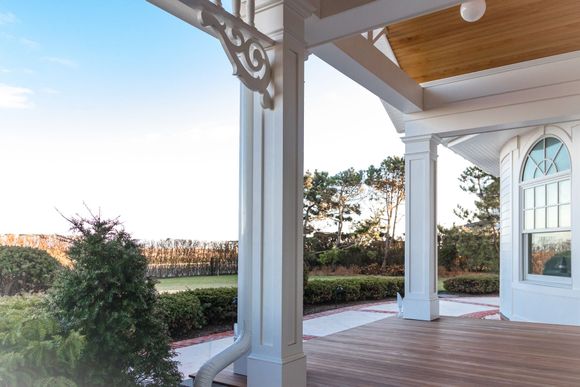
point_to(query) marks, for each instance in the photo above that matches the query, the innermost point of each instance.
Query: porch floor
(449, 351)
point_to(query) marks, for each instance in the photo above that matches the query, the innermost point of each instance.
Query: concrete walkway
(191, 354)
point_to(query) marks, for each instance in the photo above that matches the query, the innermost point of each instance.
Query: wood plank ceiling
(442, 44)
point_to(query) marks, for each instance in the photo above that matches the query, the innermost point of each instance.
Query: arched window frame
(539, 186)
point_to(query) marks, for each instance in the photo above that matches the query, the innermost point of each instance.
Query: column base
(265, 372)
(421, 309)
(241, 366)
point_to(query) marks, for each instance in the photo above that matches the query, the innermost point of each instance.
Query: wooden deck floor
(447, 352)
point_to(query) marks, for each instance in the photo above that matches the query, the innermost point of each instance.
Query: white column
(421, 300)
(276, 358)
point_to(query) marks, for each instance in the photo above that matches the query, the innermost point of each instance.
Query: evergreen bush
(182, 313)
(25, 270)
(352, 289)
(473, 284)
(107, 297)
(218, 305)
(33, 350)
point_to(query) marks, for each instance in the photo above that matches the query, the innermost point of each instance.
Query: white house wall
(522, 300)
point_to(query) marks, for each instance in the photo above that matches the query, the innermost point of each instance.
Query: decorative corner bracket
(244, 45)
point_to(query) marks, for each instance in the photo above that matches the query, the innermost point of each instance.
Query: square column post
(276, 358)
(421, 301)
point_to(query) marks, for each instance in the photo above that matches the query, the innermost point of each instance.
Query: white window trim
(545, 280)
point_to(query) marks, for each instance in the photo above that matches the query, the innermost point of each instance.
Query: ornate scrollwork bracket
(246, 54)
(244, 45)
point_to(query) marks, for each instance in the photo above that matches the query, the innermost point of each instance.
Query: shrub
(377, 269)
(107, 297)
(355, 289)
(181, 312)
(25, 269)
(34, 351)
(218, 305)
(473, 284)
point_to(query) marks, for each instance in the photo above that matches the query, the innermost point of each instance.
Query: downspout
(242, 343)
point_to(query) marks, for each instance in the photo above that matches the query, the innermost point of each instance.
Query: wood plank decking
(447, 352)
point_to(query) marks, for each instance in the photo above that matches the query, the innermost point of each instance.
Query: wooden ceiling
(442, 44)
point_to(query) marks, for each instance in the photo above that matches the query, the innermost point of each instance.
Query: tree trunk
(386, 252)
(339, 233)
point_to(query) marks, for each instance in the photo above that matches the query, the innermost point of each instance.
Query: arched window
(546, 212)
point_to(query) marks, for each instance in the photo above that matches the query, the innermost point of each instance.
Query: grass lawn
(173, 285)
(331, 277)
(219, 281)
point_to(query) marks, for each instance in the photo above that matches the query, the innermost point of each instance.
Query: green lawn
(219, 281)
(172, 285)
(331, 277)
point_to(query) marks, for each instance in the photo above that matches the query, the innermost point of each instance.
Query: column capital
(422, 138)
(421, 144)
(279, 19)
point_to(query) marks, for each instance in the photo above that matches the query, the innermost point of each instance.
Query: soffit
(441, 44)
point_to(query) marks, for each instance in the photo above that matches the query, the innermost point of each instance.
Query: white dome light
(472, 10)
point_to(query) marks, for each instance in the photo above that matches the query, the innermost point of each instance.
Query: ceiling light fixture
(472, 10)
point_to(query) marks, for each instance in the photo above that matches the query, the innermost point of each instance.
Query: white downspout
(242, 344)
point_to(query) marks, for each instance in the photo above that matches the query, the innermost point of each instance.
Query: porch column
(421, 301)
(276, 358)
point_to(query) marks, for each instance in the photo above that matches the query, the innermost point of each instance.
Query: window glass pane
(537, 152)
(565, 215)
(552, 191)
(541, 218)
(541, 196)
(529, 198)
(549, 254)
(529, 219)
(552, 147)
(529, 170)
(563, 160)
(552, 217)
(565, 191)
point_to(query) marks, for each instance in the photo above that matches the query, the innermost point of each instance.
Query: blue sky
(124, 107)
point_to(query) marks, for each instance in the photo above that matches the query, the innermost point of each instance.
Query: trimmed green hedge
(186, 311)
(217, 305)
(181, 312)
(352, 289)
(25, 270)
(473, 284)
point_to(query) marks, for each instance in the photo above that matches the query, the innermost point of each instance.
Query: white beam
(359, 60)
(536, 106)
(367, 17)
